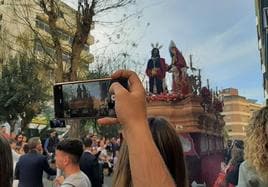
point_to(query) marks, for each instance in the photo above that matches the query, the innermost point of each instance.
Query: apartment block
(237, 111)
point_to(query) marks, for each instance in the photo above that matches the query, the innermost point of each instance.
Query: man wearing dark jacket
(90, 166)
(51, 143)
(29, 169)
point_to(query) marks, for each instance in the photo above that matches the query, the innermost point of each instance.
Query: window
(42, 25)
(1, 17)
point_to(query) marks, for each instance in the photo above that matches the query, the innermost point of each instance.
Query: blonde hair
(122, 174)
(256, 149)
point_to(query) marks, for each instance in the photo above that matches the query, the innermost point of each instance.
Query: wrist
(136, 129)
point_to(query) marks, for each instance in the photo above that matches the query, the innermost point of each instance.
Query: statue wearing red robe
(178, 68)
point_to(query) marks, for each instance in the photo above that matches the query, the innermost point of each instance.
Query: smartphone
(85, 99)
(57, 123)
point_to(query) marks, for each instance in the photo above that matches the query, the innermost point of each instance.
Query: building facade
(261, 7)
(24, 25)
(237, 112)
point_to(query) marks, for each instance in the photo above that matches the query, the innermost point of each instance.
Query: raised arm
(146, 164)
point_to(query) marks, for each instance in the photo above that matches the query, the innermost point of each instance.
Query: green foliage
(22, 93)
(109, 131)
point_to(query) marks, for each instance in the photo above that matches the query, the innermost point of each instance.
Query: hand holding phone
(130, 105)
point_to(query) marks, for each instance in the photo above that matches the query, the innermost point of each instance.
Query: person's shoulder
(39, 157)
(245, 165)
(78, 179)
(247, 170)
(88, 155)
(42, 157)
(24, 157)
(85, 178)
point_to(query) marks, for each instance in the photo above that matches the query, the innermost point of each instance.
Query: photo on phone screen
(89, 99)
(57, 123)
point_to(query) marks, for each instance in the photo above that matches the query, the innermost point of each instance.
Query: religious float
(193, 109)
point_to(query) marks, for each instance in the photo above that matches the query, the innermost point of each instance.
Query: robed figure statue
(178, 68)
(156, 70)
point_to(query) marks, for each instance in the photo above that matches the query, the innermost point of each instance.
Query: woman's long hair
(6, 163)
(170, 148)
(256, 149)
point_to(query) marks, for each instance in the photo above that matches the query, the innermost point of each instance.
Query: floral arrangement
(167, 97)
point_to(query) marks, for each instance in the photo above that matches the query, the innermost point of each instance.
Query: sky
(221, 36)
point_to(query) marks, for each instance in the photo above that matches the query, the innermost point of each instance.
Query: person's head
(25, 148)
(68, 153)
(35, 144)
(239, 144)
(19, 137)
(172, 48)
(256, 142)
(6, 163)
(24, 139)
(229, 143)
(94, 137)
(3, 129)
(155, 52)
(52, 133)
(102, 143)
(113, 140)
(87, 142)
(107, 141)
(170, 148)
(237, 156)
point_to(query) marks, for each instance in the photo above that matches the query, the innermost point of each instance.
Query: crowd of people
(148, 153)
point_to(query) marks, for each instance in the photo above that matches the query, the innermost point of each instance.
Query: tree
(80, 29)
(22, 94)
(59, 24)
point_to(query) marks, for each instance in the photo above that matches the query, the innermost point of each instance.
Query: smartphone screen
(80, 99)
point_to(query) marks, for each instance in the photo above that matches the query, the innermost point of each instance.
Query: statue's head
(155, 52)
(172, 48)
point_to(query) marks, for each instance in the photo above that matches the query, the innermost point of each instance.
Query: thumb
(117, 88)
(107, 121)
